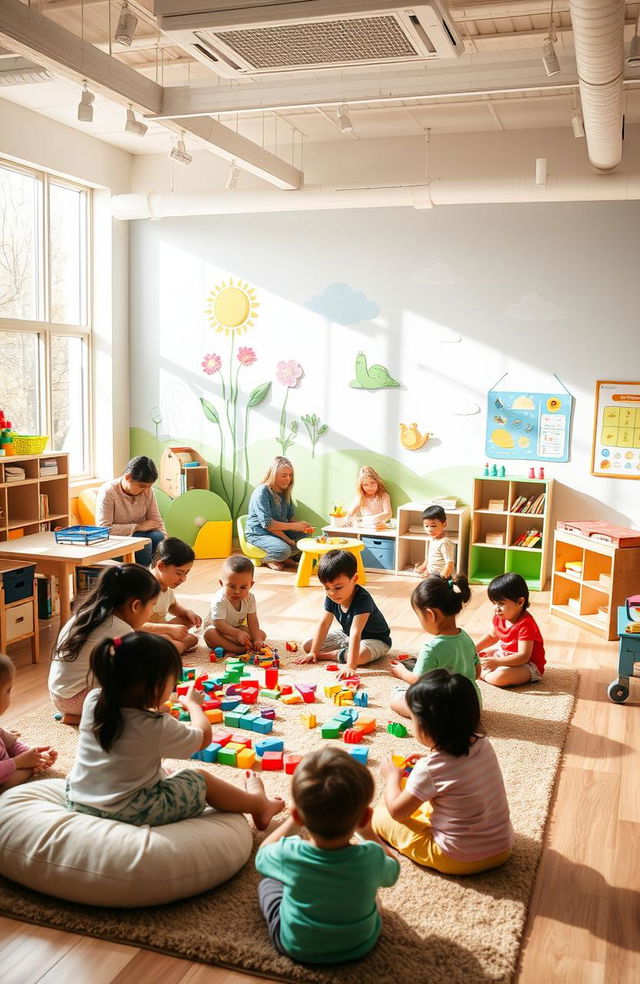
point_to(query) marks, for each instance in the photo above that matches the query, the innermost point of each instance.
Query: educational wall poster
(529, 426)
(616, 430)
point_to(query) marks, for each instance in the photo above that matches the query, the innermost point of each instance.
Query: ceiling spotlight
(633, 61)
(85, 106)
(133, 125)
(232, 180)
(344, 120)
(179, 152)
(126, 28)
(549, 57)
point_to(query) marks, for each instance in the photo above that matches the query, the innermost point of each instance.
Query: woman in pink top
(452, 814)
(128, 506)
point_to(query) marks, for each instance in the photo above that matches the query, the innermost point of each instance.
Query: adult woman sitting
(270, 522)
(128, 506)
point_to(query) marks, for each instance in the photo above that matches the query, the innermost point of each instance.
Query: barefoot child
(121, 601)
(170, 565)
(319, 895)
(124, 736)
(363, 635)
(232, 622)
(453, 813)
(440, 551)
(436, 602)
(513, 651)
(17, 762)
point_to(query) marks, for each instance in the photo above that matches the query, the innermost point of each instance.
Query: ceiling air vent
(297, 36)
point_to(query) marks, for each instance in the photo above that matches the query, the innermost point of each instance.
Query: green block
(397, 729)
(184, 716)
(227, 756)
(273, 694)
(232, 719)
(330, 730)
(244, 709)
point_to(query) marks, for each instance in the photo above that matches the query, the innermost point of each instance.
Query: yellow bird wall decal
(411, 438)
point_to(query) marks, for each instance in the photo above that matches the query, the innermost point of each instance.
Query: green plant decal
(315, 429)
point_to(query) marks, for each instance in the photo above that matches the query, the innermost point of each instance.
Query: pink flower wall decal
(289, 373)
(246, 356)
(211, 364)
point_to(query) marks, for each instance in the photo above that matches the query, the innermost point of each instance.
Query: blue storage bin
(82, 534)
(18, 584)
(379, 553)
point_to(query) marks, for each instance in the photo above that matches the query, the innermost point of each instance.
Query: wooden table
(61, 559)
(312, 550)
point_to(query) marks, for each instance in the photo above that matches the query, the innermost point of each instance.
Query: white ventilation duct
(21, 71)
(598, 34)
(572, 188)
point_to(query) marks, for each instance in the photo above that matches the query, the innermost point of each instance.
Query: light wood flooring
(584, 919)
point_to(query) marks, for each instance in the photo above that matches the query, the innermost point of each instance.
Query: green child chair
(248, 549)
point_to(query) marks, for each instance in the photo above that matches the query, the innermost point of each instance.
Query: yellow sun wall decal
(232, 306)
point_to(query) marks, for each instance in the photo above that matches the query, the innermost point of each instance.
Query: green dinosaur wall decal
(374, 377)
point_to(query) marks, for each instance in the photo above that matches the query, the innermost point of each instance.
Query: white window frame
(45, 329)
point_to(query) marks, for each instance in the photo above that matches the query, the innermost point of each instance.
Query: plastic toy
(494, 470)
(291, 647)
(213, 715)
(269, 745)
(360, 753)
(272, 761)
(291, 699)
(271, 679)
(361, 699)
(216, 654)
(246, 758)
(397, 729)
(271, 694)
(227, 756)
(368, 724)
(486, 468)
(188, 673)
(541, 473)
(285, 689)
(210, 753)
(332, 667)
(268, 712)
(221, 737)
(291, 762)
(353, 736)
(343, 697)
(532, 472)
(331, 691)
(307, 691)
(241, 740)
(331, 729)
(309, 720)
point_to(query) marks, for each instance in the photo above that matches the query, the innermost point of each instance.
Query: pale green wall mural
(373, 377)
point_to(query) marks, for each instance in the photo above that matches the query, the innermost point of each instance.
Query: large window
(45, 326)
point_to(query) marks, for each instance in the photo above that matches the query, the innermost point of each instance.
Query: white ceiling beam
(471, 75)
(31, 35)
(247, 154)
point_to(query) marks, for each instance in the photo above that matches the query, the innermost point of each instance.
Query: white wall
(475, 263)
(28, 138)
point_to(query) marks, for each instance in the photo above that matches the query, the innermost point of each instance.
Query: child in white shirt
(170, 565)
(232, 622)
(440, 552)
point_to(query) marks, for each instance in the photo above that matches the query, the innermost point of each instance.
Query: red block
(200, 680)
(182, 689)
(221, 737)
(272, 761)
(210, 704)
(240, 739)
(353, 736)
(271, 678)
(291, 762)
(285, 689)
(332, 667)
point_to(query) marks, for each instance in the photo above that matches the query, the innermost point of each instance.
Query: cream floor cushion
(87, 859)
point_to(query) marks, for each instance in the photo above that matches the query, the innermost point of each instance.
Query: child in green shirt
(319, 895)
(436, 601)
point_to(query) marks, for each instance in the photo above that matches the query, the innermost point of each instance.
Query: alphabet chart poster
(528, 426)
(616, 430)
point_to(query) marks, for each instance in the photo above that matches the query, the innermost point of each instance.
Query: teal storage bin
(379, 553)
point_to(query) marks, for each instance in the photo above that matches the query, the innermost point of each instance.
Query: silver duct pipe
(598, 34)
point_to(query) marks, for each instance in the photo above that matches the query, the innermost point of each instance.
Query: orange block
(214, 716)
(291, 699)
(366, 724)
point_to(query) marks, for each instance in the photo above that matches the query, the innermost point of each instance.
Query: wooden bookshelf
(37, 503)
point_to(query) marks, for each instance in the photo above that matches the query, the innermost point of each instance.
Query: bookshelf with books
(34, 493)
(411, 537)
(590, 580)
(510, 529)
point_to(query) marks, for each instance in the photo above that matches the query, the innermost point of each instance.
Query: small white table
(61, 559)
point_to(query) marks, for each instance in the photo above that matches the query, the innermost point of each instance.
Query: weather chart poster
(616, 432)
(530, 426)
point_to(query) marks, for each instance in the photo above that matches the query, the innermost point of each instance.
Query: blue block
(264, 726)
(347, 714)
(359, 752)
(245, 709)
(210, 753)
(208, 686)
(361, 699)
(229, 703)
(269, 745)
(248, 720)
(198, 756)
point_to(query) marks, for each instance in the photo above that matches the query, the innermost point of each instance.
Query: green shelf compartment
(485, 563)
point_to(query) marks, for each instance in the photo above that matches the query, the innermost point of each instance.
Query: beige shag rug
(438, 929)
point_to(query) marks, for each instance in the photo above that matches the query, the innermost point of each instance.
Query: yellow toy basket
(29, 443)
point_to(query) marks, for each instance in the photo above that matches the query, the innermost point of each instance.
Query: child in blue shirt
(363, 635)
(319, 895)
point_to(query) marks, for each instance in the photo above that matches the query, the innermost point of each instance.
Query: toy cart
(628, 655)
(84, 535)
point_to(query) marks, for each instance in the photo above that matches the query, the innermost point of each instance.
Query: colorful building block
(291, 699)
(182, 689)
(188, 673)
(343, 697)
(271, 678)
(221, 737)
(248, 720)
(272, 761)
(183, 715)
(200, 679)
(332, 690)
(308, 719)
(268, 712)
(352, 681)
(232, 720)
(307, 691)
(291, 647)
(210, 753)
(396, 729)
(347, 714)
(330, 729)
(263, 727)
(291, 762)
(286, 689)
(246, 758)
(353, 736)
(240, 739)
(213, 715)
(359, 752)
(332, 667)
(368, 724)
(269, 745)
(361, 699)
(227, 756)
(271, 694)
(229, 703)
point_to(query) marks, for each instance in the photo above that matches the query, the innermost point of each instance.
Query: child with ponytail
(436, 601)
(121, 601)
(170, 565)
(124, 735)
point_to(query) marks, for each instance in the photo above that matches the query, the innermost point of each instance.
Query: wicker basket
(29, 444)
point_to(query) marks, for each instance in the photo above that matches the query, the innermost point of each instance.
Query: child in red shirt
(513, 651)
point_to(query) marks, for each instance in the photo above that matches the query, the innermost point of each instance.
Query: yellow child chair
(248, 549)
(87, 507)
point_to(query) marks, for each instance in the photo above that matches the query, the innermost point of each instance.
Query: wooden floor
(584, 920)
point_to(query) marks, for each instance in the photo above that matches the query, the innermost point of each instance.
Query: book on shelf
(44, 505)
(495, 539)
(528, 504)
(495, 505)
(573, 567)
(538, 506)
(574, 603)
(49, 467)
(519, 503)
(529, 538)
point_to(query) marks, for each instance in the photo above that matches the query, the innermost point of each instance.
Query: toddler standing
(232, 622)
(436, 602)
(440, 551)
(18, 762)
(319, 896)
(453, 813)
(513, 651)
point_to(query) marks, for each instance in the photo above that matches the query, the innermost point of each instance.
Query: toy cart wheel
(618, 693)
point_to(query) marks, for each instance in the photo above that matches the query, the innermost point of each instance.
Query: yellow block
(291, 699)
(399, 760)
(309, 720)
(331, 691)
(246, 758)
(213, 540)
(343, 697)
(234, 746)
(214, 716)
